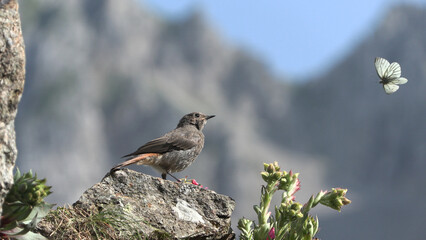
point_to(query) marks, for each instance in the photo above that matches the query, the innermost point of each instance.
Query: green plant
(113, 222)
(291, 220)
(24, 207)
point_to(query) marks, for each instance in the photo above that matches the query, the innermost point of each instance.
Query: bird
(175, 150)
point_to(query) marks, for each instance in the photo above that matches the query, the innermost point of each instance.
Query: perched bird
(174, 151)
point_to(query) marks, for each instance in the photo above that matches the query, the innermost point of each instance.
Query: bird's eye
(197, 115)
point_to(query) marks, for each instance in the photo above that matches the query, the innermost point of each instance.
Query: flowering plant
(191, 181)
(24, 207)
(292, 220)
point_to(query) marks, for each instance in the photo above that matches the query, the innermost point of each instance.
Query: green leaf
(38, 213)
(9, 226)
(261, 232)
(257, 209)
(16, 212)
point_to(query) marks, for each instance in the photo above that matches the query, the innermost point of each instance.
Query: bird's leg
(164, 175)
(172, 177)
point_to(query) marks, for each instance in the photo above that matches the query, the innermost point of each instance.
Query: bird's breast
(177, 161)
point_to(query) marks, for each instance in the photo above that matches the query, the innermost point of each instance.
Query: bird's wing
(166, 143)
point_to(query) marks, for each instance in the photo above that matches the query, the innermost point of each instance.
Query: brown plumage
(174, 151)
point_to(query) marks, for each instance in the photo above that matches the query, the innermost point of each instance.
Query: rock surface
(12, 78)
(155, 207)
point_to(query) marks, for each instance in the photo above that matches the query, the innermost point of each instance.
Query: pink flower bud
(272, 233)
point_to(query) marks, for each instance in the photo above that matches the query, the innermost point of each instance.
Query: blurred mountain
(104, 77)
(374, 144)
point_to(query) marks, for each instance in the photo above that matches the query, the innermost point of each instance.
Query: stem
(265, 203)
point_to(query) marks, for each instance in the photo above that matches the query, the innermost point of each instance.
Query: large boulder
(153, 208)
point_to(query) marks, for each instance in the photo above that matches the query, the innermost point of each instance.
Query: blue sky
(298, 39)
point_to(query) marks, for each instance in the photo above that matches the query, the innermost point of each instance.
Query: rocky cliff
(12, 72)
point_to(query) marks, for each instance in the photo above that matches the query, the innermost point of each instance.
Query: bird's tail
(140, 160)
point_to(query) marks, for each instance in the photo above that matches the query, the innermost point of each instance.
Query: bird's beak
(210, 116)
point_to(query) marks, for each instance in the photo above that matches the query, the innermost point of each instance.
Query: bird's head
(196, 119)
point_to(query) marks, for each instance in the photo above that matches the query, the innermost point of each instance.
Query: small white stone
(186, 213)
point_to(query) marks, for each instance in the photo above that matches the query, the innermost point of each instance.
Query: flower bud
(270, 169)
(276, 176)
(335, 199)
(265, 176)
(265, 166)
(277, 168)
(296, 206)
(272, 233)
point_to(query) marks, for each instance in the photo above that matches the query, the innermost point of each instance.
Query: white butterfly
(390, 74)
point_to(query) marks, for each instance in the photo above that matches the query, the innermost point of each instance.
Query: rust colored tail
(138, 159)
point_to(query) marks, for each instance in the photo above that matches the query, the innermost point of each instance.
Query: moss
(75, 223)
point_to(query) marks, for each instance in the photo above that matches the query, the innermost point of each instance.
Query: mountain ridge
(104, 77)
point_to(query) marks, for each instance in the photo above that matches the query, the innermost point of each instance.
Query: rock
(12, 78)
(155, 208)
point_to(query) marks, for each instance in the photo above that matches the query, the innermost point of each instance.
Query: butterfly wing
(393, 71)
(399, 81)
(390, 88)
(381, 66)
(390, 74)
